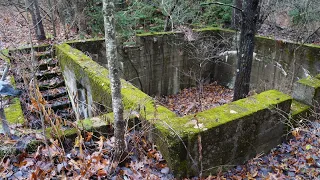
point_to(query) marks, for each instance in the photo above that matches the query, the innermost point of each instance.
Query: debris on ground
(90, 158)
(197, 99)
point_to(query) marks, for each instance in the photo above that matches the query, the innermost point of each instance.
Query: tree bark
(236, 14)
(33, 8)
(52, 9)
(114, 75)
(167, 26)
(250, 16)
(80, 18)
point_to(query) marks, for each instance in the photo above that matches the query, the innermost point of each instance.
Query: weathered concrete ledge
(307, 90)
(230, 134)
(299, 110)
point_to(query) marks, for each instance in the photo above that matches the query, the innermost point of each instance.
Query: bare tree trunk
(250, 16)
(33, 8)
(167, 27)
(114, 70)
(79, 15)
(52, 9)
(236, 14)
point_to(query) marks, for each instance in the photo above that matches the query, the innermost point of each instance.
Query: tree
(33, 8)
(236, 14)
(114, 70)
(52, 9)
(250, 15)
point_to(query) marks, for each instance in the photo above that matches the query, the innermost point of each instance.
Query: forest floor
(197, 99)
(297, 158)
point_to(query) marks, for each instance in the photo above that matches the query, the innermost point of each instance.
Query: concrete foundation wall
(163, 63)
(230, 134)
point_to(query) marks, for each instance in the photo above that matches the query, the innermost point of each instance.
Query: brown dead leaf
(101, 172)
(88, 136)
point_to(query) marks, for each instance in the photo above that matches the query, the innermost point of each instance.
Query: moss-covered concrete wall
(283, 63)
(160, 63)
(230, 134)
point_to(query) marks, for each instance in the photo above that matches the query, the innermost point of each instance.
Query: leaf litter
(90, 158)
(197, 99)
(298, 158)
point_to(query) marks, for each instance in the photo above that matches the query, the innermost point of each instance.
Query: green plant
(304, 12)
(95, 20)
(217, 15)
(150, 16)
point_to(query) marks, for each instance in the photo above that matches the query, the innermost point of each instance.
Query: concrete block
(307, 91)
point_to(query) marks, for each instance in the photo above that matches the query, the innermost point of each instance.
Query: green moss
(33, 145)
(241, 108)
(166, 124)
(155, 33)
(85, 40)
(310, 81)
(312, 45)
(196, 30)
(264, 38)
(298, 108)
(317, 76)
(85, 124)
(27, 48)
(70, 132)
(214, 29)
(85, 69)
(3, 55)
(14, 112)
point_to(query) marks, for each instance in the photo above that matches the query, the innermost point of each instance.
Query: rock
(165, 170)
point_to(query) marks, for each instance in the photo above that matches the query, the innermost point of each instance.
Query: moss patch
(3, 55)
(85, 40)
(14, 112)
(298, 108)
(239, 109)
(214, 29)
(310, 81)
(155, 33)
(42, 47)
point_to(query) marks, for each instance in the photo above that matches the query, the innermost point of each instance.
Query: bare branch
(221, 4)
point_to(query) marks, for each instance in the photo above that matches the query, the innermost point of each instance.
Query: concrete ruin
(161, 64)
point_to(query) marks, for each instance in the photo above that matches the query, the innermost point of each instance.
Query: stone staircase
(52, 87)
